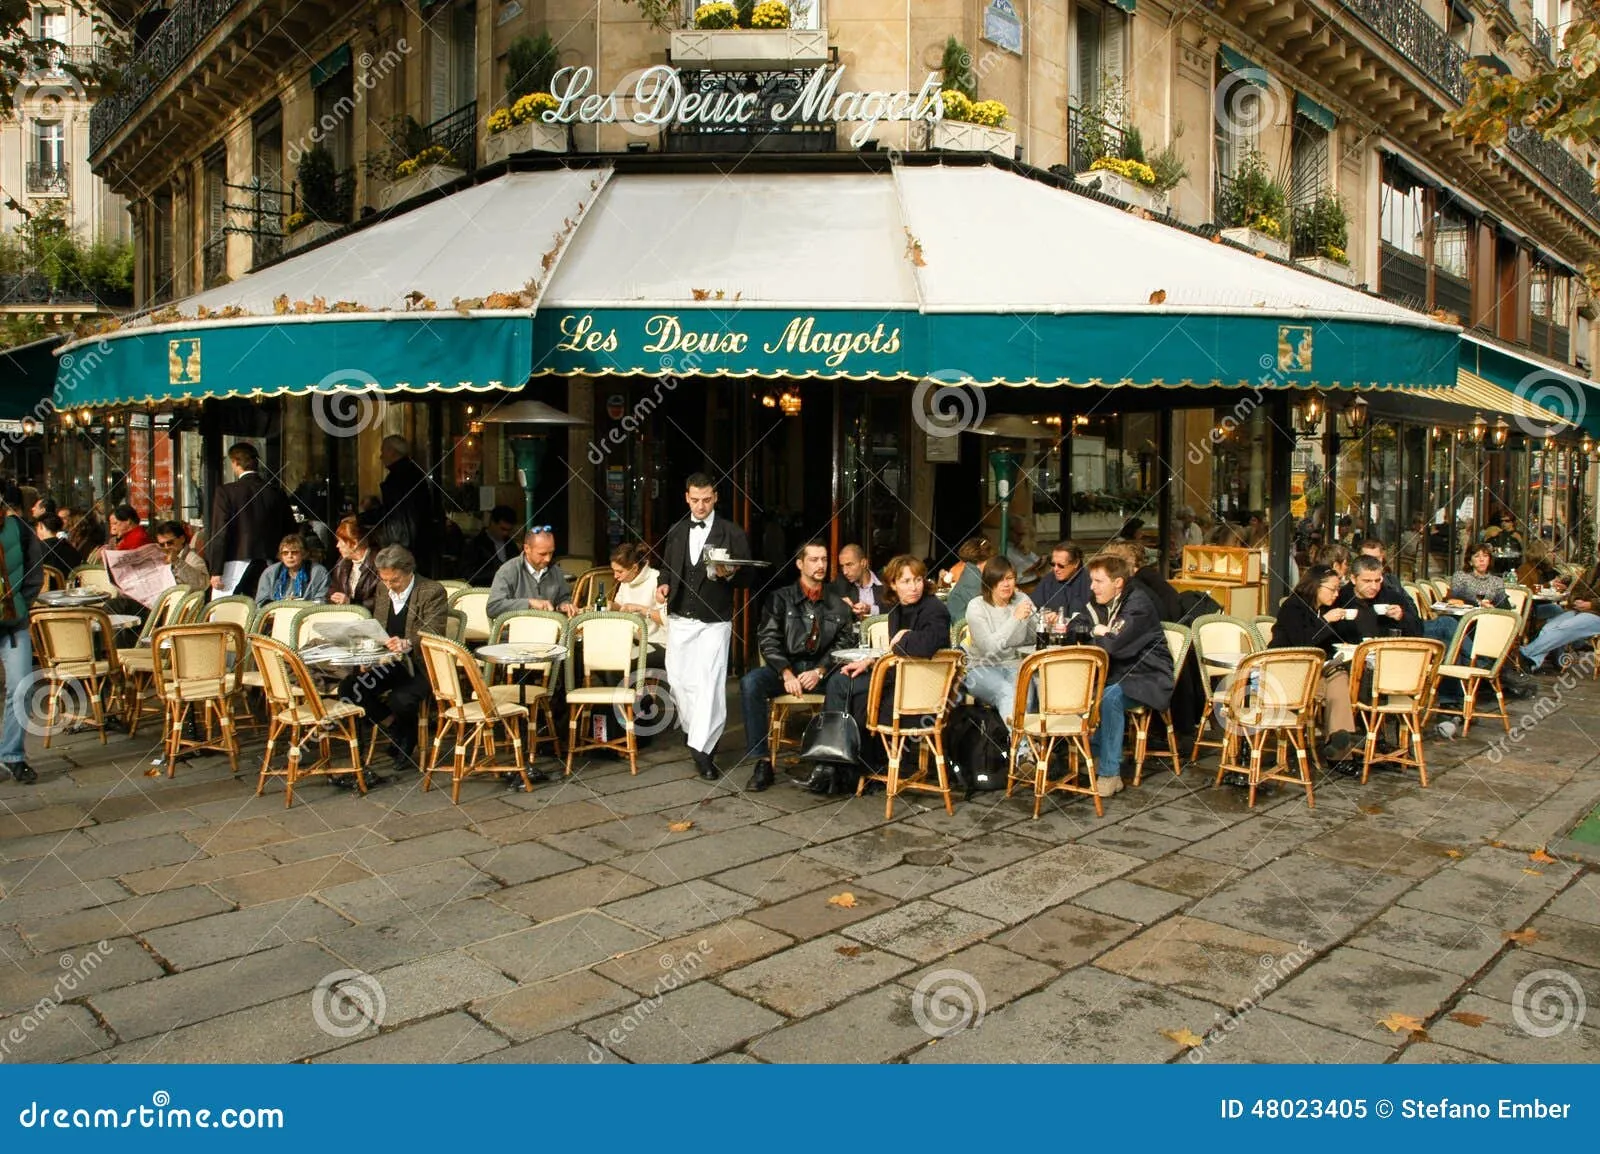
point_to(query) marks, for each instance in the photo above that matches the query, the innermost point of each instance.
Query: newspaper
(143, 573)
(346, 634)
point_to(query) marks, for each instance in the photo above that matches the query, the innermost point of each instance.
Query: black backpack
(1195, 604)
(976, 744)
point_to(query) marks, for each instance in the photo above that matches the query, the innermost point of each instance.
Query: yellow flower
(989, 113)
(499, 120)
(432, 155)
(533, 107)
(1336, 254)
(770, 14)
(296, 221)
(1134, 170)
(956, 105)
(715, 15)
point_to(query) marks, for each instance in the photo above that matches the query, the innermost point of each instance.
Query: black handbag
(831, 738)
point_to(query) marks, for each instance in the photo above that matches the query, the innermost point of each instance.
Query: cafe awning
(1545, 391)
(959, 273)
(437, 299)
(27, 377)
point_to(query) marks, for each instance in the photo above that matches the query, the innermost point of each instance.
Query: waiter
(700, 617)
(249, 516)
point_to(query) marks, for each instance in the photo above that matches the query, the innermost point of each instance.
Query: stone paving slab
(424, 988)
(1207, 960)
(815, 975)
(228, 935)
(133, 916)
(1018, 891)
(523, 862)
(285, 1030)
(1143, 904)
(34, 846)
(198, 871)
(76, 895)
(922, 930)
(703, 954)
(403, 933)
(1260, 1035)
(563, 1048)
(1351, 990)
(1000, 975)
(1564, 938)
(688, 1025)
(812, 915)
(289, 881)
(1454, 944)
(24, 982)
(1503, 1039)
(1066, 936)
(877, 1026)
(776, 879)
(420, 887)
(549, 949)
(674, 910)
(681, 861)
(1181, 874)
(531, 824)
(579, 889)
(1302, 897)
(539, 1008)
(65, 1033)
(448, 1038)
(1548, 988)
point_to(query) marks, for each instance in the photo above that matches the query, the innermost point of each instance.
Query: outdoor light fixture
(83, 416)
(1356, 414)
(789, 403)
(28, 427)
(769, 401)
(1588, 446)
(1480, 428)
(538, 420)
(1501, 432)
(1310, 414)
(66, 419)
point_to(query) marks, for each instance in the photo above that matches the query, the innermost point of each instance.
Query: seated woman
(919, 626)
(1579, 622)
(634, 591)
(1001, 621)
(973, 553)
(1476, 584)
(292, 577)
(355, 578)
(1306, 620)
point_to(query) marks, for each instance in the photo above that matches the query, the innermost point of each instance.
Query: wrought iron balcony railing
(1091, 137)
(1543, 41)
(457, 133)
(47, 179)
(187, 24)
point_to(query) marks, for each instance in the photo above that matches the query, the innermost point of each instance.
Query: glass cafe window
(1450, 242)
(1401, 213)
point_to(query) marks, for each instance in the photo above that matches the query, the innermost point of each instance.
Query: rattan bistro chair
(469, 712)
(192, 669)
(1482, 643)
(533, 684)
(1272, 694)
(917, 714)
(1071, 683)
(611, 643)
(53, 579)
(66, 647)
(1139, 716)
(294, 706)
(139, 661)
(474, 602)
(1399, 673)
(1216, 633)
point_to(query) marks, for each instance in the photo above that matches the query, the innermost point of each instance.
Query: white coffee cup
(1381, 609)
(1350, 614)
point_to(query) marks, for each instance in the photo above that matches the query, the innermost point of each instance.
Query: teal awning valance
(1561, 391)
(1314, 112)
(1152, 348)
(1126, 5)
(279, 356)
(27, 378)
(1248, 70)
(330, 66)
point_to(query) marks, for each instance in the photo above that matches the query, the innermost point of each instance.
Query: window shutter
(438, 67)
(1114, 50)
(1087, 79)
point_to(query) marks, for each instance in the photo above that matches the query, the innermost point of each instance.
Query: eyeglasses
(292, 553)
(532, 529)
(1059, 564)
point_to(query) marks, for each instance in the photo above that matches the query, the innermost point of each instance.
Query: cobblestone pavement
(153, 920)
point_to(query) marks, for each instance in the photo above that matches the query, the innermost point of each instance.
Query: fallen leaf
(1418, 1036)
(1521, 937)
(1454, 853)
(153, 771)
(1541, 857)
(680, 826)
(1467, 1018)
(1372, 810)
(1184, 1037)
(701, 294)
(847, 951)
(1533, 873)
(1397, 1021)
(1497, 845)
(844, 901)
(1158, 297)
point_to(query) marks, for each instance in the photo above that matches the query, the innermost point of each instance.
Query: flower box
(959, 136)
(402, 190)
(1260, 241)
(750, 48)
(309, 233)
(534, 136)
(1114, 184)
(1331, 269)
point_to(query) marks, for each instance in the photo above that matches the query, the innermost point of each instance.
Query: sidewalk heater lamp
(1004, 463)
(528, 445)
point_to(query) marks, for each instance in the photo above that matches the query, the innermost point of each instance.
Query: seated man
(531, 581)
(1393, 593)
(491, 548)
(188, 567)
(1579, 622)
(1064, 590)
(800, 627)
(858, 584)
(55, 550)
(1364, 594)
(1127, 625)
(393, 693)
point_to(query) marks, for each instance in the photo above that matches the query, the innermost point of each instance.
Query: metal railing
(1543, 41)
(1091, 137)
(186, 25)
(34, 288)
(457, 133)
(47, 179)
(1556, 165)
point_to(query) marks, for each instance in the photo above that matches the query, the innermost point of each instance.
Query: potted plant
(431, 168)
(1115, 151)
(1253, 208)
(748, 35)
(324, 204)
(972, 126)
(523, 128)
(1322, 238)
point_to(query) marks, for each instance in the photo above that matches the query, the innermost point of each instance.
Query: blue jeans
(1545, 610)
(1107, 740)
(996, 685)
(756, 691)
(1441, 629)
(16, 656)
(1559, 631)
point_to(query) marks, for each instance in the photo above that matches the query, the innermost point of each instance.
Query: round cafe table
(514, 655)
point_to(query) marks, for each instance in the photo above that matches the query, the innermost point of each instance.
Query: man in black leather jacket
(802, 625)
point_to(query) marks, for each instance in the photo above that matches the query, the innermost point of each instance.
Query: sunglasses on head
(533, 529)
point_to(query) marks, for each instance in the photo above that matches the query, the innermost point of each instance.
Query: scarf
(291, 587)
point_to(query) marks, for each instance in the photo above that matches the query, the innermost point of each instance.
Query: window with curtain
(214, 245)
(49, 145)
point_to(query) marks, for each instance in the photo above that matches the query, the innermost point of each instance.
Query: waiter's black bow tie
(697, 524)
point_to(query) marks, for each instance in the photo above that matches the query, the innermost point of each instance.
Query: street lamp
(1480, 428)
(1501, 432)
(528, 448)
(1355, 415)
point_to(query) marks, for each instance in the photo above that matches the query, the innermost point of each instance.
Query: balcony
(1543, 41)
(1090, 138)
(186, 25)
(47, 179)
(804, 44)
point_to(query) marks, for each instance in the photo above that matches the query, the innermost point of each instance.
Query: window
(49, 145)
(1458, 24)
(161, 238)
(1099, 53)
(1401, 213)
(266, 199)
(1539, 293)
(452, 65)
(1308, 160)
(213, 225)
(1452, 238)
(336, 107)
